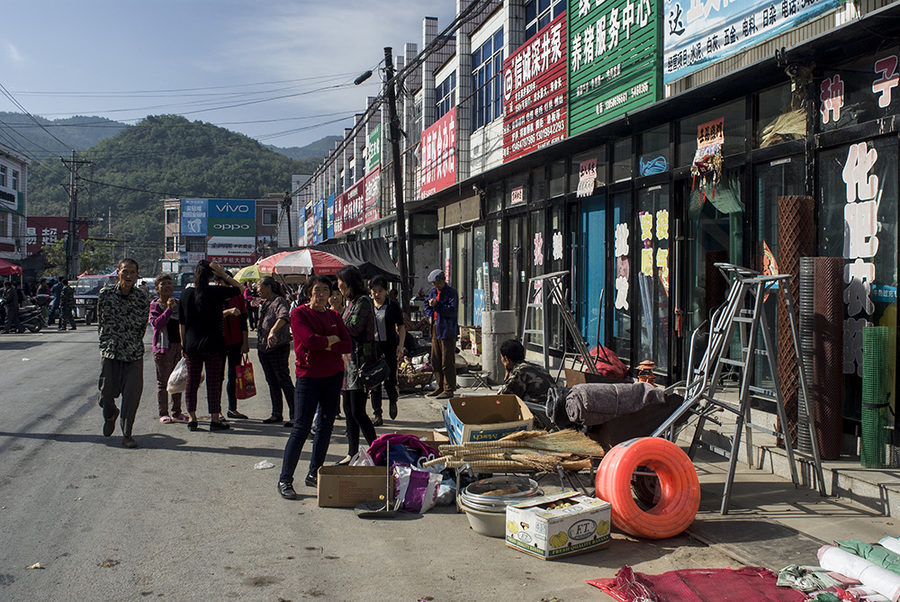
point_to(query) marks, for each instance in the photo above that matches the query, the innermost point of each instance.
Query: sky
(278, 71)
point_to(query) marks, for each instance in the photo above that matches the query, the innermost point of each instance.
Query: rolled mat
(806, 327)
(827, 377)
(875, 419)
(891, 543)
(868, 573)
(796, 237)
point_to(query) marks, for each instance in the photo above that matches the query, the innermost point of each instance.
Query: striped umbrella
(308, 261)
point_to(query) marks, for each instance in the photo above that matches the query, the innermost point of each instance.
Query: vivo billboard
(228, 217)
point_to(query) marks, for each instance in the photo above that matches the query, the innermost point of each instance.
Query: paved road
(186, 517)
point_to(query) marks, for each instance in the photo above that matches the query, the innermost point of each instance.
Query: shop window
(858, 91)
(170, 244)
(623, 245)
(495, 197)
(622, 160)
(859, 181)
(654, 157)
(557, 179)
(735, 130)
(539, 13)
(195, 244)
(781, 177)
(269, 217)
(487, 81)
(422, 223)
(600, 155)
(539, 184)
(171, 216)
(652, 276)
(780, 118)
(517, 192)
(445, 96)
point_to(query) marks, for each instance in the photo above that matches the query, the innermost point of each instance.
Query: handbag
(374, 374)
(245, 383)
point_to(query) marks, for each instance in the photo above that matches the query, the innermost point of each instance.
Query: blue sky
(275, 70)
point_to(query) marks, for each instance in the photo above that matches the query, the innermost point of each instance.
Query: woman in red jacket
(320, 340)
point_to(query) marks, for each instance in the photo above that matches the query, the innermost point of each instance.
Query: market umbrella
(308, 261)
(265, 264)
(249, 273)
(8, 268)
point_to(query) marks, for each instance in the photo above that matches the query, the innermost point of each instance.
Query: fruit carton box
(562, 524)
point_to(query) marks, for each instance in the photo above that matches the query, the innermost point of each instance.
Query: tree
(96, 257)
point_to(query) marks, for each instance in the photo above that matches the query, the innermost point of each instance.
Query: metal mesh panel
(806, 326)
(874, 398)
(827, 376)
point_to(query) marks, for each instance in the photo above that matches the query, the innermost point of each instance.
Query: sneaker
(286, 490)
(312, 480)
(236, 414)
(109, 425)
(129, 442)
(392, 410)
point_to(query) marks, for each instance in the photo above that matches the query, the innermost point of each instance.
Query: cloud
(12, 53)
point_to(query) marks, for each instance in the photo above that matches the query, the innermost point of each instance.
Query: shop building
(233, 232)
(13, 214)
(635, 145)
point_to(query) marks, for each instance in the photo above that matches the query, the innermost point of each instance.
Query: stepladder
(740, 339)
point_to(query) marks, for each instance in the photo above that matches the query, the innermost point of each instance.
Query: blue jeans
(310, 395)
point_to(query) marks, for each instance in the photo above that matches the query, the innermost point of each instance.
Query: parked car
(87, 294)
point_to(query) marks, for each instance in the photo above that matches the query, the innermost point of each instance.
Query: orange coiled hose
(678, 483)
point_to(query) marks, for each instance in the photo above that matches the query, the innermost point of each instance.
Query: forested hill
(161, 157)
(21, 133)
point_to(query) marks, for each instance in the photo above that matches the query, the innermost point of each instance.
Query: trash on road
(264, 464)
(36, 565)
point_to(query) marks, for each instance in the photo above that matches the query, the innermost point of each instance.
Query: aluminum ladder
(704, 381)
(552, 287)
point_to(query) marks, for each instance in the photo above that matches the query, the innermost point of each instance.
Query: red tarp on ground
(698, 585)
(8, 268)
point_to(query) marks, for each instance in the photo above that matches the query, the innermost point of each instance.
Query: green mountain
(161, 157)
(37, 142)
(314, 150)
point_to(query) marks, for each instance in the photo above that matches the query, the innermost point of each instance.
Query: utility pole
(74, 164)
(286, 203)
(402, 250)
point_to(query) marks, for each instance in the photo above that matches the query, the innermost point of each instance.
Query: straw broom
(566, 441)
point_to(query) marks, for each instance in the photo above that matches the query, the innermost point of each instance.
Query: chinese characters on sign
(698, 33)
(587, 178)
(373, 148)
(614, 59)
(193, 217)
(622, 269)
(860, 248)
(534, 92)
(438, 149)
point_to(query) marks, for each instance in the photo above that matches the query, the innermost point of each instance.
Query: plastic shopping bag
(178, 378)
(245, 384)
(417, 489)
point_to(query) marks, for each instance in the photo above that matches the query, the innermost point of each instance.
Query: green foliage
(78, 132)
(164, 156)
(55, 256)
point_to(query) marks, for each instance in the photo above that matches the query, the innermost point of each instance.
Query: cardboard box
(486, 417)
(532, 527)
(431, 437)
(347, 486)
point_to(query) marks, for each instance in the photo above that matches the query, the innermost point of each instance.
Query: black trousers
(389, 353)
(357, 420)
(233, 355)
(278, 376)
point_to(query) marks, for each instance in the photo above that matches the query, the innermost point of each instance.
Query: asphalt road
(187, 517)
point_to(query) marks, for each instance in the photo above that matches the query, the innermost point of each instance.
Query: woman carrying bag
(320, 340)
(237, 345)
(273, 345)
(359, 317)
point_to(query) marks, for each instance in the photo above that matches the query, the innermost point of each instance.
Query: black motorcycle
(32, 316)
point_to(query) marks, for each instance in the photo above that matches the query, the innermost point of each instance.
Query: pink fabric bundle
(698, 585)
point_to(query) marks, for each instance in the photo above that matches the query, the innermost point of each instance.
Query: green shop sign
(614, 59)
(373, 148)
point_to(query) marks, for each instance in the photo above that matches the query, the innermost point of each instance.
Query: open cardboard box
(430, 437)
(486, 417)
(347, 486)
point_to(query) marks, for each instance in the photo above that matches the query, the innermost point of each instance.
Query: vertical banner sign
(614, 59)
(623, 270)
(860, 248)
(319, 219)
(373, 149)
(354, 205)
(439, 154)
(193, 217)
(699, 33)
(534, 92)
(517, 195)
(329, 215)
(373, 195)
(337, 222)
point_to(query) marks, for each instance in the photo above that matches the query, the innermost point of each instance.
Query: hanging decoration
(707, 163)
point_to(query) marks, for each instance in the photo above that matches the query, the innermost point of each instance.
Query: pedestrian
(390, 337)
(11, 303)
(336, 300)
(237, 344)
(200, 310)
(67, 305)
(527, 380)
(122, 310)
(247, 294)
(359, 317)
(42, 288)
(166, 347)
(442, 309)
(56, 291)
(320, 338)
(273, 347)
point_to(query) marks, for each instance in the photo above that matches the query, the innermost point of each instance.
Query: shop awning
(371, 256)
